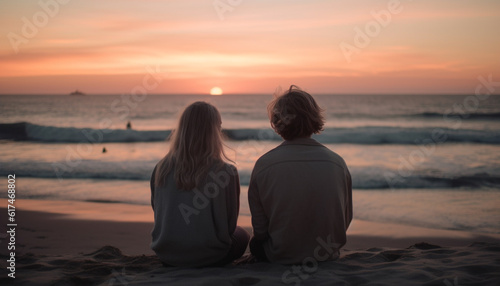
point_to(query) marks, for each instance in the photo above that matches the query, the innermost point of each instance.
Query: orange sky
(105, 46)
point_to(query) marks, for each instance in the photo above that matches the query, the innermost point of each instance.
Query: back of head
(198, 130)
(195, 146)
(295, 114)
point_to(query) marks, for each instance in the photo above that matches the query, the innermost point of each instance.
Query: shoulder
(331, 156)
(269, 156)
(334, 156)
(230, 169)
(225, 168)
(289, 151)
(278, 154)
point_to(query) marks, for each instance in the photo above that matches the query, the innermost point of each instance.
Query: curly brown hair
(295, 114)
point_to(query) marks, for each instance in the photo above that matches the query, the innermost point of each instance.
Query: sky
(243, 46)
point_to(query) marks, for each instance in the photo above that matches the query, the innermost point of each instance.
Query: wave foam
(363, 177)
(360, 135)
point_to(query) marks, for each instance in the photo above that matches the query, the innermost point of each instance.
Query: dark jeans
(257, 249)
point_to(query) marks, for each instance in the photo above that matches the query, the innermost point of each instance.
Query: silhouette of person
(300, 193)
(195, 195)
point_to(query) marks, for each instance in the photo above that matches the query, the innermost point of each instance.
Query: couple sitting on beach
(300, 192)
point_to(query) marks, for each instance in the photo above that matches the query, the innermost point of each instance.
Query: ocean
(423, 160)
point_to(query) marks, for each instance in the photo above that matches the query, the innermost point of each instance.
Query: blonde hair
(196, 146)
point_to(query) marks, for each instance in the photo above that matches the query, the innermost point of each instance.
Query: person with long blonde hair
(195, 195)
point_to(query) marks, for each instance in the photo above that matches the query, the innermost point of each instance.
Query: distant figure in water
(300, 193)
(129, 125)
(104, 150)
(195, 195)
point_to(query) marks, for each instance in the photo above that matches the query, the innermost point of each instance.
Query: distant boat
(77, 92)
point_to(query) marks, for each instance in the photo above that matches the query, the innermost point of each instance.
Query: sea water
(422, 160)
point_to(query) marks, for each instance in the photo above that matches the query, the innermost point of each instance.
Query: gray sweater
(193, 228)
(300, 197)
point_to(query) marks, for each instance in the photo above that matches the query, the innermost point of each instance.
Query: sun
(216, 91)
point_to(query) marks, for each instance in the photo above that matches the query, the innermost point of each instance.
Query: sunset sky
(252, 47)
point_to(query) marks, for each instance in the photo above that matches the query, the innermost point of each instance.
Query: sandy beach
(88, 243)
